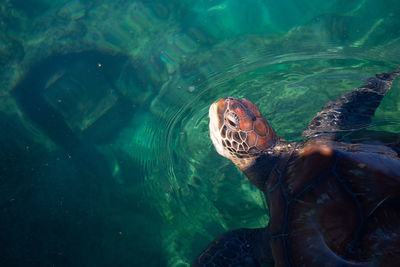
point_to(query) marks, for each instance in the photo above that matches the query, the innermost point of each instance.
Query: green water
(105, 158)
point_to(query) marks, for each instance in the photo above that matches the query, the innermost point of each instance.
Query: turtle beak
(212, 112)
(214, 129)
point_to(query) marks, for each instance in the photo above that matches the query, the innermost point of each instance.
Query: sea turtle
(331, 203)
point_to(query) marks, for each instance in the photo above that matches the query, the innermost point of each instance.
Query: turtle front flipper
(242, 247)
(352, 110)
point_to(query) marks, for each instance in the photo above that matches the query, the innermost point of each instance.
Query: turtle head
(238, 130)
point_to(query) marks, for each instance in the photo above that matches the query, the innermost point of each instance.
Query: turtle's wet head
(238, 130)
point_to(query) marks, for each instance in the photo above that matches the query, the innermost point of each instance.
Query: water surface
(105, 154)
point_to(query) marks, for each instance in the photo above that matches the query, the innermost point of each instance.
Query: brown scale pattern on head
(242, 128)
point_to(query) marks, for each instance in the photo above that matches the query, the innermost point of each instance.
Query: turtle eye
(232, 123)
(232, 120)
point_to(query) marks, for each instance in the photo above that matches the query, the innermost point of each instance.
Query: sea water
(105, 158)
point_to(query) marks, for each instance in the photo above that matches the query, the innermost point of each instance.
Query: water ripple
(192, 187)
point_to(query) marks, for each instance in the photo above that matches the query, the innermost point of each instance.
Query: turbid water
(105, 158)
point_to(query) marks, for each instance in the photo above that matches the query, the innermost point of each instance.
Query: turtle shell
(330, 207)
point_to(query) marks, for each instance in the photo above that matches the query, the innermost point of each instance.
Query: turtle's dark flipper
(243, 247)
(352, 110)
